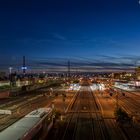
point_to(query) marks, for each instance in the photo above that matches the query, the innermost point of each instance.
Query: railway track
(85, 120)
(22, 109)
(130, 102)
(19, 99)
(112, 130)
(71, 123)
(103, 132)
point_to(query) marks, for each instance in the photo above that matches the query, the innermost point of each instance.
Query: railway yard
(22, 105)
(70, 70)
(83, 114)
(90, 115)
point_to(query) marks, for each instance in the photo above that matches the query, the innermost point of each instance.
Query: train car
(34, 126)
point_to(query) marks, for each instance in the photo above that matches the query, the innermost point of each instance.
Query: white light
(10, 69)
(24, 68)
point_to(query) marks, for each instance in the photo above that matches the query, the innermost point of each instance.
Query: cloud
(58, 36)
(86, 64)
(101, 63)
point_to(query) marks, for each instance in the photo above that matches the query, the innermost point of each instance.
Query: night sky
(84, 31)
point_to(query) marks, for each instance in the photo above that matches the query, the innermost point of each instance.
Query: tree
(121, 115)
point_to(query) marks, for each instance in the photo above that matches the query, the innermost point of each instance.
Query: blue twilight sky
(47, 31)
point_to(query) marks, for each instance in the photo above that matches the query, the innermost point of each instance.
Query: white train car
(34, 126)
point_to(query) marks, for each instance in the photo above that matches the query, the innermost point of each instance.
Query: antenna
(24, 66)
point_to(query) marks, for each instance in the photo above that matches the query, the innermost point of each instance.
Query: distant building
(2, 75)
(137, 70)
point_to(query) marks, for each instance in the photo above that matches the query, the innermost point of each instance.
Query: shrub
(121, 115)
